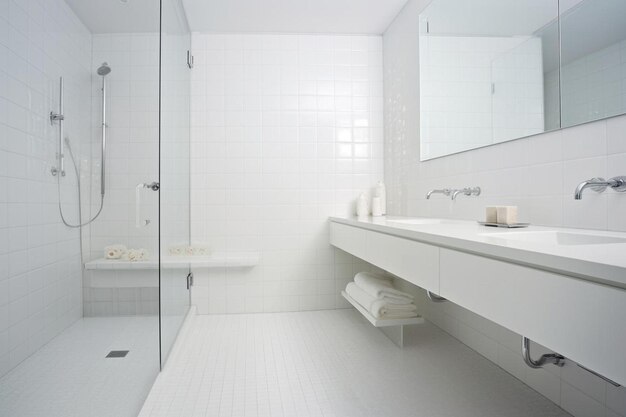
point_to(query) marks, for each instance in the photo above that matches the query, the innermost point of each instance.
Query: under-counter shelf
(381, 322)
(215, 260)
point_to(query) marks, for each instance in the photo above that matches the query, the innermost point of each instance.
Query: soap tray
(508, 226)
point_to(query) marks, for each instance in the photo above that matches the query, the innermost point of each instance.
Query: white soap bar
(377, 208)
(491, 215)
(507, 214)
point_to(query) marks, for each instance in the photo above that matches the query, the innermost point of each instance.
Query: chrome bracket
(435, 298)
(553, 358)
(189, 280)
(56, 117)
(599, 188)
(154, 186)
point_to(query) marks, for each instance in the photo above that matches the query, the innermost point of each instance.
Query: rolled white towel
(136, 255)
(176, 250)
(378, 286)
(114, 251)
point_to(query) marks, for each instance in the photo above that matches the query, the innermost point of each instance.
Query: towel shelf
(392, 328)
(381, 322)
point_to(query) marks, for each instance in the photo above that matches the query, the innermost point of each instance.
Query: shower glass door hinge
(189, 280)
(189, 60)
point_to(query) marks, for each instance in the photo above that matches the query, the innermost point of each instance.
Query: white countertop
(603, 263)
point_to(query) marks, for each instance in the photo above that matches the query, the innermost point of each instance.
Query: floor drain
(117, 354)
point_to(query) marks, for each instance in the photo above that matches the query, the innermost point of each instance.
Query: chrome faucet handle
(618, 184)
(475, 191)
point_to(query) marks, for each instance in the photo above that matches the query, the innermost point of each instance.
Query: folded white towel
(359, 295)
(380, 307)
(379, 286)
(383, 310)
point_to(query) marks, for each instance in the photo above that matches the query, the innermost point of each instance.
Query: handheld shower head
(104, 69)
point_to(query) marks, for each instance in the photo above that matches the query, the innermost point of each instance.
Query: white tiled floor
(70, 377)
(330, 363)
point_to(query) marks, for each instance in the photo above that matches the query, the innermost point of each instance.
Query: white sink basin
(556, 238)
(420, 221)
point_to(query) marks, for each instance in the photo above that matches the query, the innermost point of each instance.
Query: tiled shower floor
(70, 377)
(330, 364)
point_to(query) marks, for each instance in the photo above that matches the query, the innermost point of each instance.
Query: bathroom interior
(294, 208)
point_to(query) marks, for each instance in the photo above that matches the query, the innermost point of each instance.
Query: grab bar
(553, 358)
(154, 186)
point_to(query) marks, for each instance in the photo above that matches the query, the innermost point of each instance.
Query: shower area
(94, 202)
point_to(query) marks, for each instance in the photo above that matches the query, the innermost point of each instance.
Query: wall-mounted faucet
(445, 191)
(466, 191)
(599, 185)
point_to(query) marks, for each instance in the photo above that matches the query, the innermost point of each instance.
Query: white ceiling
(300, 16)
(115, 16)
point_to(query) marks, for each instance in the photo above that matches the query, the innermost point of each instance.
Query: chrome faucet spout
(466, 191)
(445, 191)
(596, 184)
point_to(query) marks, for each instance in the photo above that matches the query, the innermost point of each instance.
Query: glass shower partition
(175, 249)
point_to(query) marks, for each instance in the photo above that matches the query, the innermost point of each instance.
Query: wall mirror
(593, 60)
(497, 70)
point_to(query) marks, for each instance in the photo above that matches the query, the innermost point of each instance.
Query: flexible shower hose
(80, 216)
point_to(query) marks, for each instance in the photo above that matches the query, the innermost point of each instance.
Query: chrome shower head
(104, 69)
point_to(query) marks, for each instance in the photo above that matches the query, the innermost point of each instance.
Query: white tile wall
(286, 130)
(132, 139)
(538, 174)
(40, 269)
(132, 158)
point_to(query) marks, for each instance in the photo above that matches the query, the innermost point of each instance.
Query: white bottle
(377, 207)
(381, 193)
(361, 206)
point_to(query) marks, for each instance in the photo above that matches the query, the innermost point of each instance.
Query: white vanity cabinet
(583, 320)
(579, 319)
(413, 261)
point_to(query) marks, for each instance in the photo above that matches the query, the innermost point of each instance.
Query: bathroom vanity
(563, 288)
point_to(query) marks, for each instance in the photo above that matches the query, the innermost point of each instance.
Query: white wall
(538, 174)
(40, 267)
(286, 130)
